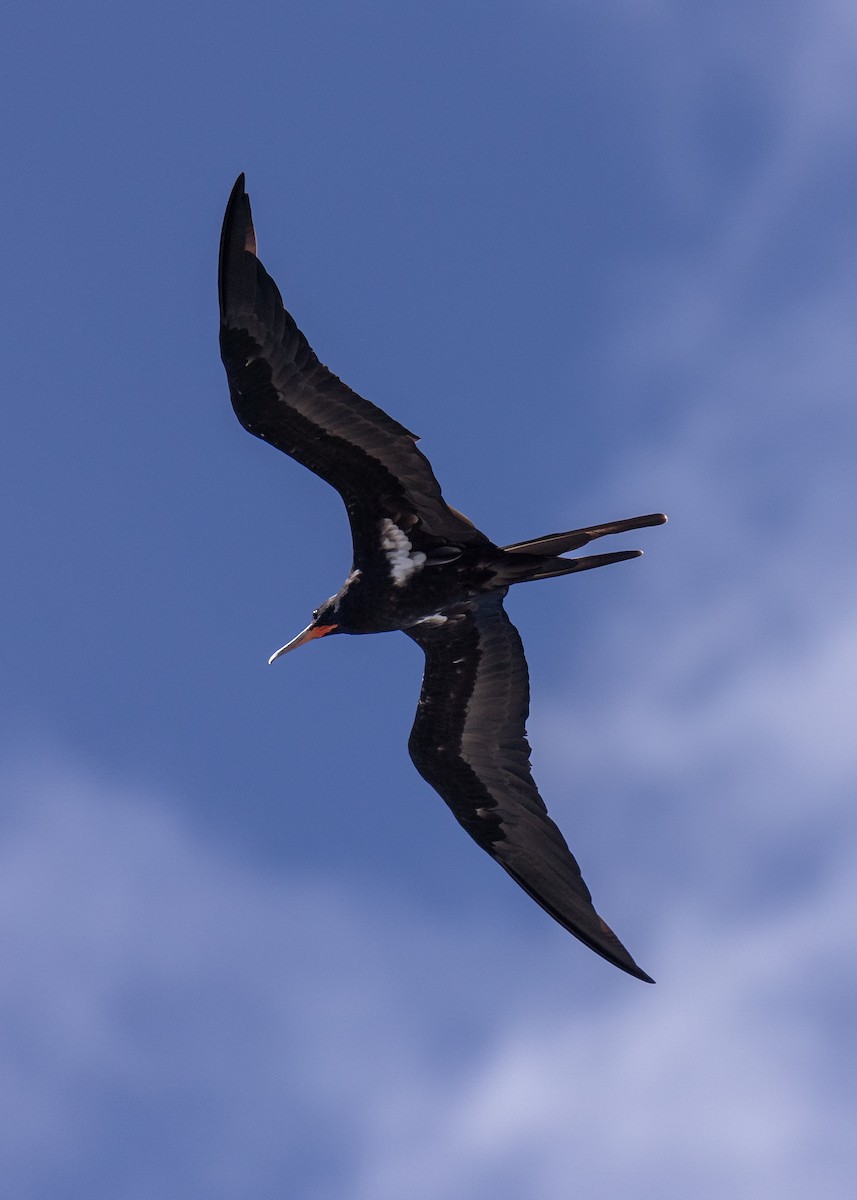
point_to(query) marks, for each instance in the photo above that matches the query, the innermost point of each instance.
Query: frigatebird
(423, 568)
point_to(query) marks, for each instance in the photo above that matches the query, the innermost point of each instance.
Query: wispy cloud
(264, 1021)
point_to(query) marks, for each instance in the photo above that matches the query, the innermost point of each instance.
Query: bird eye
(315, 614)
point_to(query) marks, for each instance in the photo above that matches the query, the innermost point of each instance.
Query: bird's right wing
(285, 396)
(469, 742)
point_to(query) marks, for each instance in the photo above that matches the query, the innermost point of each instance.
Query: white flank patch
(403, 559)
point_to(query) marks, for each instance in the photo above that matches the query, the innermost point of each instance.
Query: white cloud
(717, 1087)
(262, 1015)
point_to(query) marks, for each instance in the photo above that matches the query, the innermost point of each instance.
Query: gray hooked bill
(311, 631)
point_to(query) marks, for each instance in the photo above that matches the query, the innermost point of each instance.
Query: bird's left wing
(284, 395)
(469, 742)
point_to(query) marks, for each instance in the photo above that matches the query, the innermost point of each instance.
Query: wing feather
(469, 742)
(284, 395)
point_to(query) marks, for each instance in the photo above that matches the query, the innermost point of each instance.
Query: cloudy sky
(602, 256)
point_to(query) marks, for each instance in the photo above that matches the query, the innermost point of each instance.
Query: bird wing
(469, 742)
(284, 395)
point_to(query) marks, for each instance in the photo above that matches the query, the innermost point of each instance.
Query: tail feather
(520, 568)
(560, 543)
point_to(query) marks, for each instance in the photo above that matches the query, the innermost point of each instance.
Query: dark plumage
(421, 567)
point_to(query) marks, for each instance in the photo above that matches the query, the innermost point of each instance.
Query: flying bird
(421, 567)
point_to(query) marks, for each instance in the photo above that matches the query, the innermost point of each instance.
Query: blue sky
(603, 258)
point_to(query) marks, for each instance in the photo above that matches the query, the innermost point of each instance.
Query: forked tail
(539, 558)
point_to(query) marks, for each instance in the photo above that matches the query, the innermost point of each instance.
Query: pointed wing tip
(238, 190)
(609, 947)
(236, 236)
(640, 974)
(236, 196)
(238, 210)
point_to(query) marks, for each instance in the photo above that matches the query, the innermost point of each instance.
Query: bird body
(421, 567)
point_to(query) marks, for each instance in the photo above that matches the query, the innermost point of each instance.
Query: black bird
(421, 567)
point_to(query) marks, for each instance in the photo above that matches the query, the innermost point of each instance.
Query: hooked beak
(311, 631)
